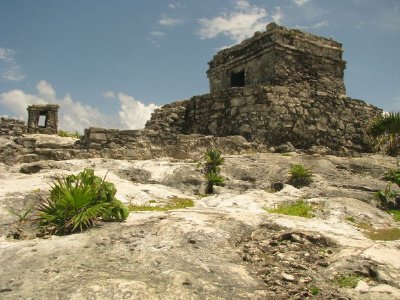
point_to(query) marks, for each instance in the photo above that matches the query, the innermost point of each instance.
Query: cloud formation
(167, 21)
(76, 116)
(238, 24)
(300, 2)
(9, 69)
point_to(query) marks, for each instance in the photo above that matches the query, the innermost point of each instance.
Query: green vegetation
(299, 176)
(64, 133)
(299, 209)
(350, 219)
(22, 215)
(314, 290)
(348, 281)
(212, 170)
(385, 130)
(170, 204)
(389, 198)
(396, 214)
(383, 234)
(77, 201)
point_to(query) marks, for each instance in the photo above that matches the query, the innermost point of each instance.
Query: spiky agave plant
(385, 129)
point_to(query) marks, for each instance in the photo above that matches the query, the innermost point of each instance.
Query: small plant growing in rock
(348, 281)
(299, 209)
(64, 133)
(212, 170)
(77, 201)
(170, 204)
(389, 198)
(300, 176)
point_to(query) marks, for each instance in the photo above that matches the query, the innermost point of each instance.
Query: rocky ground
(225, 247)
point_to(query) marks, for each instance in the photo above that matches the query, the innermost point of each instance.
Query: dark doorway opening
(237, 79)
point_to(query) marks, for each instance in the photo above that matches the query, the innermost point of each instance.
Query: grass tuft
(299, 209)
(170, 204)
(396, 214)
(384, 234)
(348, 281)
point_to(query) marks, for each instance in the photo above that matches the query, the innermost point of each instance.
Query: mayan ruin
(266, 181)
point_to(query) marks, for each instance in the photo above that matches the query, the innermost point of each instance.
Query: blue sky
(111, 63)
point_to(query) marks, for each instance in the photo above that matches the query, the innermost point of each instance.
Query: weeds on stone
(348, 281)
(299, 176)
(22, 215)
(171, 204)
(64, 133)
(383, 234)
(351, 219)
(314, 290)
(395, 213)
(299, 209)
(390, 198)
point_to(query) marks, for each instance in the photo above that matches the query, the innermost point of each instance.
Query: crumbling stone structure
(12, 127)
(43, 118)
(279, 86)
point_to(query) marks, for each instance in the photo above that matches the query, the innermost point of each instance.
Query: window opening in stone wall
(237, 79)
(42, 121)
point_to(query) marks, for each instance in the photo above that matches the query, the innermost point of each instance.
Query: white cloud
(300, 2)
(238, 24)
(167, 21)
(175, 5)
(108, 95)
(9, 69)
(74, 115)
(133, 113)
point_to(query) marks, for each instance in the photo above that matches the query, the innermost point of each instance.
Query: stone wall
(12, 127)
(273, 115)
(281, 56)
(147, 144)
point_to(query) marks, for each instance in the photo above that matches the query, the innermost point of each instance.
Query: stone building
(43, 118)
(281, 85)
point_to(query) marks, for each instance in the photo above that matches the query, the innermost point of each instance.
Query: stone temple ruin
(279, 86)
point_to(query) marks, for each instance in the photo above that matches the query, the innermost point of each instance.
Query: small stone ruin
(43, 118)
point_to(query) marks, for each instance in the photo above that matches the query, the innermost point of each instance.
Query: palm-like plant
(212, 170)
(76, 201)
(385, 129)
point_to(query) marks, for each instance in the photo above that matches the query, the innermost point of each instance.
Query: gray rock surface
(225, 247)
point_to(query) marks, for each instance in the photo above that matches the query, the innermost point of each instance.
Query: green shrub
(299, 209)
(212, 170)
(389, 198)
(76, 201)
(299, 176)
(385, 130)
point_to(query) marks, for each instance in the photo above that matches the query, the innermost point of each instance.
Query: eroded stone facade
(43, 118)
(12, 127)
(279, 86)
